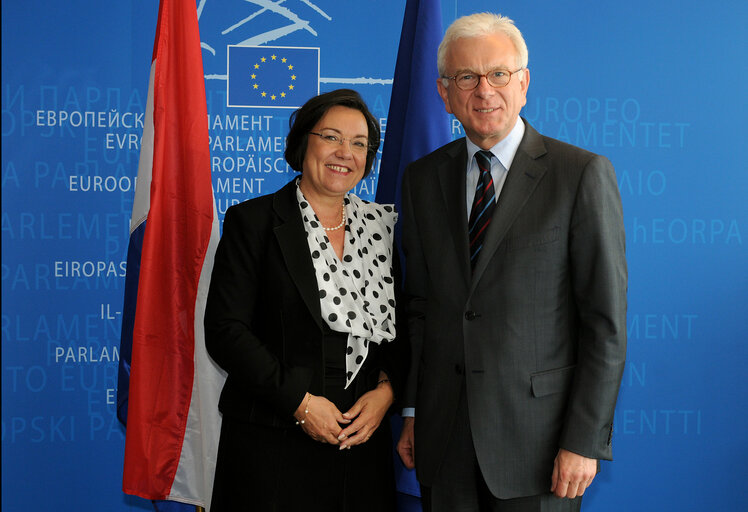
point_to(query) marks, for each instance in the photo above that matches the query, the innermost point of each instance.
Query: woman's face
(330, 168)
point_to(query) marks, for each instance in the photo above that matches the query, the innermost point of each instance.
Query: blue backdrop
(658, 87)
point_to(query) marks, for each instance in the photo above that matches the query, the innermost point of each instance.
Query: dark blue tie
(483, 206)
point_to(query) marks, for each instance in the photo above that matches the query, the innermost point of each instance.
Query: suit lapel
(522, 178)
(451, 174)
(291, 238)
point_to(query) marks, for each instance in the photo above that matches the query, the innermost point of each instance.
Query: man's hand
(572, 474)
(406, 446)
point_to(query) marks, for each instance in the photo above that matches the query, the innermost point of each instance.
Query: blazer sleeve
(599, 280)
(414, 289)
(230, 319)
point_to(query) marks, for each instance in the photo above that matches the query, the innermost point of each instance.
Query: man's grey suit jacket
(537, 333)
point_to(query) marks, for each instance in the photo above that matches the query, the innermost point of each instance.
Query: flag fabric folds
(417, 124)
(168, 387)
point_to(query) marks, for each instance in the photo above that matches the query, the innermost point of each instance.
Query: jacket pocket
(533, 240)
(550, 382)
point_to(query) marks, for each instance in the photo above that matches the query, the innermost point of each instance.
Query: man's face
(488, 114)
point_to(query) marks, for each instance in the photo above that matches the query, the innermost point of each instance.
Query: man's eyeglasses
(358, 145)
(467, 80)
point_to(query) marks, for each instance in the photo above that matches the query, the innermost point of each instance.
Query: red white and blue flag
(168, 386)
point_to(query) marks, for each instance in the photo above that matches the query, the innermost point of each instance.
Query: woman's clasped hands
(323, 422)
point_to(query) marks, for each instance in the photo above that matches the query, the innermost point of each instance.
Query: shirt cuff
(408, 412)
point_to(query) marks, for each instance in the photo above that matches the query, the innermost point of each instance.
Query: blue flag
(272, 76)
(417, 124)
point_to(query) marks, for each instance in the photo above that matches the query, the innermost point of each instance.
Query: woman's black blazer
(263, 322)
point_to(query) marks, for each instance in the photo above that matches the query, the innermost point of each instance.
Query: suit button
(470, 316)
(458, 369)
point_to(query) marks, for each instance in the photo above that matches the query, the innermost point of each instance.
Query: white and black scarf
(357, 294)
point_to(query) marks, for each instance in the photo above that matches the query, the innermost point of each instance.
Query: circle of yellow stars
(273, 96)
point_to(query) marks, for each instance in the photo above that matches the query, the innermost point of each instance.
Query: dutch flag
(168, 386)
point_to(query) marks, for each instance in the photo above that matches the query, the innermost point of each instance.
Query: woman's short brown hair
(302, 121)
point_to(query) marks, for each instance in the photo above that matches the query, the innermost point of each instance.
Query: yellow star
(263, 94)
(291, 87)
(272, 97)
(257, 66)
(283, 95)
(263, 59)
(283, 60)
(290, 66)
(253, 76)
(293, 77)
(272, 57)
(255, 86)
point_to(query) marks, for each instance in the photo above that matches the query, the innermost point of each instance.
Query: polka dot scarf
(357, 294)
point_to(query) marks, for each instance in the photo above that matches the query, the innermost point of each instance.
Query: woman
(301, 315)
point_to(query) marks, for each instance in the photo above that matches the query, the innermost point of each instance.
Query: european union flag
(272, 76)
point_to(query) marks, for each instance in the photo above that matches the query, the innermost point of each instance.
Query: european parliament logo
(271, 76)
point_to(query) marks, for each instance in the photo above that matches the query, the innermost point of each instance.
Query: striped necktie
(483, 206)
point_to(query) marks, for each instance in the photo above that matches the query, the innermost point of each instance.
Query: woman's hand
(367, 414)
(322, 422)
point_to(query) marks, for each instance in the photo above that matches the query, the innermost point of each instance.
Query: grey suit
(537, 334)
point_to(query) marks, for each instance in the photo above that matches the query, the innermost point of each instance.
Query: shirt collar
(505, 149)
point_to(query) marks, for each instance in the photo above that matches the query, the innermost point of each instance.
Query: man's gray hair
(477, 25)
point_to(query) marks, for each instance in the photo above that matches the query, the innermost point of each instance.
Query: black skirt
(267, 469)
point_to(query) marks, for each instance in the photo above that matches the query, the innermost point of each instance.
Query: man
(516, 277)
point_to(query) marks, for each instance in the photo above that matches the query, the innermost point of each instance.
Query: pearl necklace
(342, 221)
